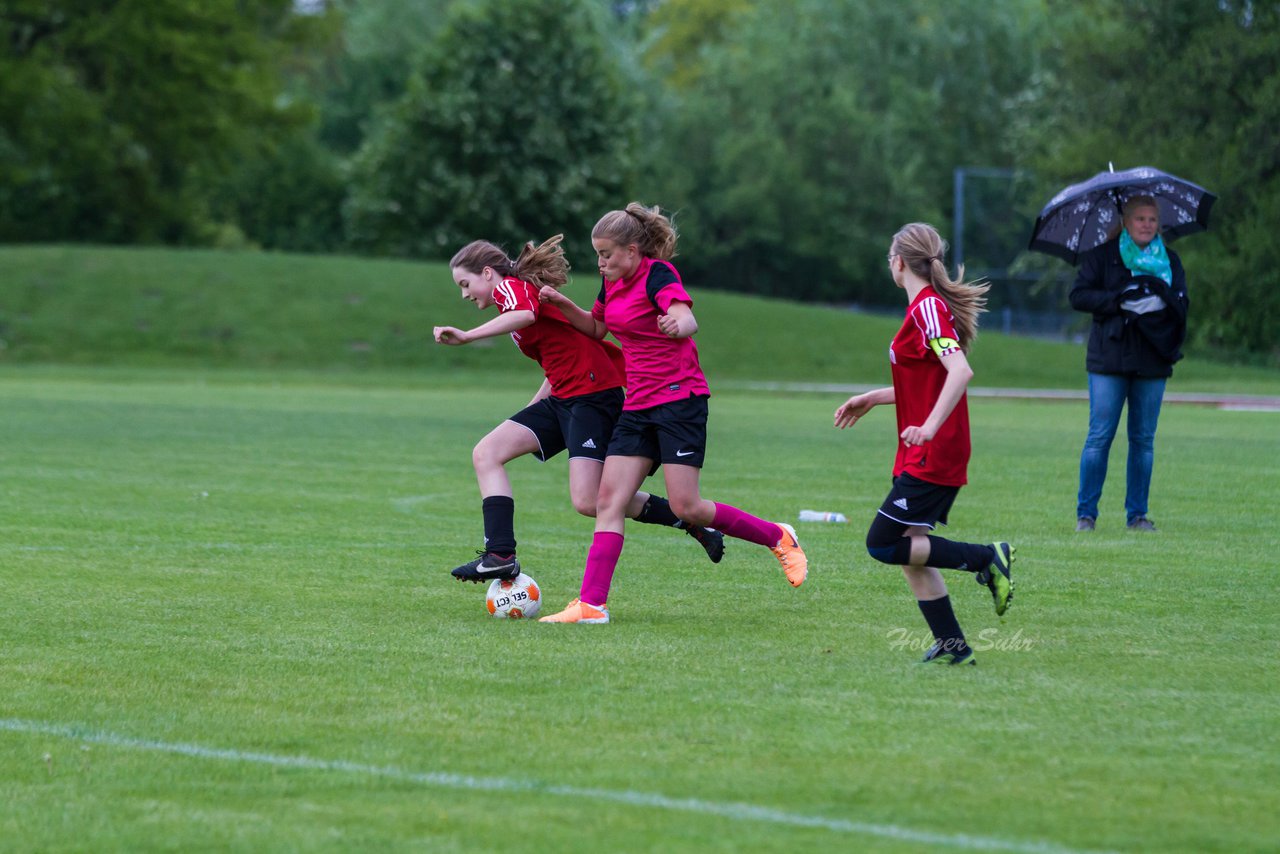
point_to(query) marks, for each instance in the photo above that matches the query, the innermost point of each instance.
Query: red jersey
(575, 364)
(660, 369)
(928, 336)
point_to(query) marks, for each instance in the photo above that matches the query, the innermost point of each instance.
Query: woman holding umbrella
(1136, 290)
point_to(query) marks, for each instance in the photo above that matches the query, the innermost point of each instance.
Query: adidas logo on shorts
(901, 502)
(590, 443)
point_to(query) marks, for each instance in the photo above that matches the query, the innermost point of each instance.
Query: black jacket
(1121, 342)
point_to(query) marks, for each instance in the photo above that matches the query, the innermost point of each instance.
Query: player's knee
(689, 510)
(585, 505)
(884, 554)
(884, 543)
(610, 502)
(482, 457)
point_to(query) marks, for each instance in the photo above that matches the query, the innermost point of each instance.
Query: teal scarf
(1152, 260)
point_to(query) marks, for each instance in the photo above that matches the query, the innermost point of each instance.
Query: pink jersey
(574, 363)
(927, 336)
(660, 369)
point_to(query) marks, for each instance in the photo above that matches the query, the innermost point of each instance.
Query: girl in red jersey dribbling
(574, 410)
(930, 374)
(644, 305)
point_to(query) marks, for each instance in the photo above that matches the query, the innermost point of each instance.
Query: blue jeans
(1107, 396)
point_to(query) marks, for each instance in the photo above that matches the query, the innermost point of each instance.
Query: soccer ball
(513, 599)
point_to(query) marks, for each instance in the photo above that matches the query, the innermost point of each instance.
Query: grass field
(227, 624)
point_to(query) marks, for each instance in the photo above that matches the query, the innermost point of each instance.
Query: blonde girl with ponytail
(644, 305)
(930, 371)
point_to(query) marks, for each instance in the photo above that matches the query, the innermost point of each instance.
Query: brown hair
(921, 247)
(543, 264)
(648, 228)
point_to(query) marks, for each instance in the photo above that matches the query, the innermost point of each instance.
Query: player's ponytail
(922, 249)
(649, 229)
(538, 265)
(544, 264)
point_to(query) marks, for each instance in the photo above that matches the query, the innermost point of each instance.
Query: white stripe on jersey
(926, 318)
(929, 311)
(505, 295)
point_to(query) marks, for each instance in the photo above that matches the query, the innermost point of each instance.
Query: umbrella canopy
(1083, 215)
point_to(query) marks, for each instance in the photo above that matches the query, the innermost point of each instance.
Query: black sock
(948, 554)
(499, 524)
(657, 511)
(942, 622)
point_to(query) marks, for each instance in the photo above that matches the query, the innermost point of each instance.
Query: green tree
(1192, 88)
(287, 196)
(370, 64)
(818, 127)
(516, 125)
(113, 115)
(679, 30)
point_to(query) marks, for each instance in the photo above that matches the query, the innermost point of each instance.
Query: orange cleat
(579, 612)
(791, 556)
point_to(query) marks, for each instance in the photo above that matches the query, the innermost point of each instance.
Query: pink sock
(744, 526)
(602, 560)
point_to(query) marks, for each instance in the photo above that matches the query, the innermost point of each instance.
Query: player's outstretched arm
(859, 405)
(503, 324)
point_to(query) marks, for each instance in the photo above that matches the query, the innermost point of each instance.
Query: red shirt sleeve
(515, 295)
(938, 333)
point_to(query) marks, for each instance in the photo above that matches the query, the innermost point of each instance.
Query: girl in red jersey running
(643, 303)
(575, 408)
(930, 374)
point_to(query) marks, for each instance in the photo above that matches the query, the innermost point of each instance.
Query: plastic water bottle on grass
(822, 516)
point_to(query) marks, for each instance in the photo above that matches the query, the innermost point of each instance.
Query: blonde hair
(1130, 204)
(542, 264)
(648, 228)
(921, 248)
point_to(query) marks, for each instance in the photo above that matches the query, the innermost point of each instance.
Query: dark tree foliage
(516, 125)
(805, 133)
(790, 137)
(111, 112)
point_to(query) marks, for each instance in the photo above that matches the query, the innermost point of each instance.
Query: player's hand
(851, 410)
(449, 335)
(916, 436)
(676, 327)
(549, 294)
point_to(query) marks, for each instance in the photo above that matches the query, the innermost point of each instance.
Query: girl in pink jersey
(575, 409)
(643, 303)
(930, 374)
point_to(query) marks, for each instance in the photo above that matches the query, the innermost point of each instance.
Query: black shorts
(915, 502)
(670, 433)
(583, 424)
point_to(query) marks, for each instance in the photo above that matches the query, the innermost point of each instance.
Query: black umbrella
(1084, 215)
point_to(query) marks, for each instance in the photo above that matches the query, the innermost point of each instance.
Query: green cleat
(997, 578)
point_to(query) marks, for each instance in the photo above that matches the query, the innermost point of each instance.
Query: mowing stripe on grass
(729, 810)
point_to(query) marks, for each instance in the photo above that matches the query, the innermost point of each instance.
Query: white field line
(439, 779)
